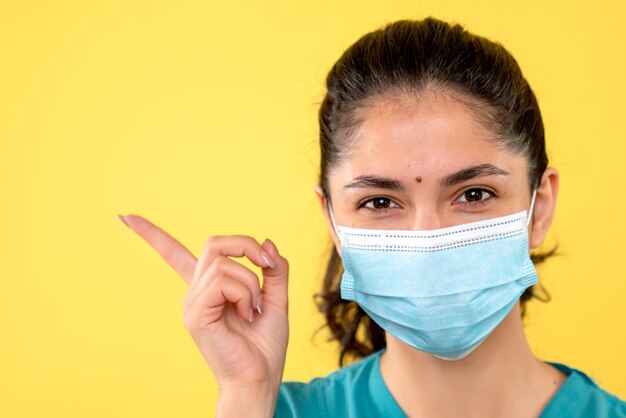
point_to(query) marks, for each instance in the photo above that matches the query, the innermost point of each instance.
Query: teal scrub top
(358, 390)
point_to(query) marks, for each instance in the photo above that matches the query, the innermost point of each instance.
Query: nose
(425, 219)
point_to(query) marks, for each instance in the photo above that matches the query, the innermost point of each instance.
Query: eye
(474, 197)
(378, 204)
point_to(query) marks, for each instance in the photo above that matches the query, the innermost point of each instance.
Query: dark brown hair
(409, 58)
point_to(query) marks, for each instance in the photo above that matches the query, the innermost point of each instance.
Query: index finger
(172, 251)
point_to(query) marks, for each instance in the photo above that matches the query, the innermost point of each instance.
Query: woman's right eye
(378, 204)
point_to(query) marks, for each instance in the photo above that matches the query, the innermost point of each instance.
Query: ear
(545, 203)
(324, 204)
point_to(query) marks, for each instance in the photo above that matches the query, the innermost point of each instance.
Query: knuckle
(212, 242)
(216, 281)
(219, 265)
(252, 241)
(246, 238)
(247, 241)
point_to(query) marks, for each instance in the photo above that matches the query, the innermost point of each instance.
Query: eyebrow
(472, 172)
(374, 182)
(460, 176)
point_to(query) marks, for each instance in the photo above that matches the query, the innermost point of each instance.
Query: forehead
(429, 136)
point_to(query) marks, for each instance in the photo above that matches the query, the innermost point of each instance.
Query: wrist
(250, 402)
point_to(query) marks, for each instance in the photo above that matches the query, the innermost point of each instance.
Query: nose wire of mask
(422, 287)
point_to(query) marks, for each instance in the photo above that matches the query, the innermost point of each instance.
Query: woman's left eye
(474, 197)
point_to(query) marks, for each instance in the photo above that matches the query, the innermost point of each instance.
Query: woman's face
(425, 165)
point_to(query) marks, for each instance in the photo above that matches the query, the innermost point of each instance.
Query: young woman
(435, 184)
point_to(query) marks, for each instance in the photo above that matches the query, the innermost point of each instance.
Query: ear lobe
(545, 204)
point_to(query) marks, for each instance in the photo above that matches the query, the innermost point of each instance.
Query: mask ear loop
(332, 219)
(532, 206)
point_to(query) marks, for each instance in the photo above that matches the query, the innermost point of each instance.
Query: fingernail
(271, 244)
(268, 260)
(123, 220)
(250, 315)
(259, 307)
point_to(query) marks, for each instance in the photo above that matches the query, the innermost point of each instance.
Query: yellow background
(201, 116)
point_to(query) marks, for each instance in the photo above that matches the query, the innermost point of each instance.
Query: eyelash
(473, 204)
(374, 210)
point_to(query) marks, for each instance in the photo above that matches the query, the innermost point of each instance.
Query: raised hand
(240, 328)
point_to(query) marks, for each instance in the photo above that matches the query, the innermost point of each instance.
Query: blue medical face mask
(441, 291)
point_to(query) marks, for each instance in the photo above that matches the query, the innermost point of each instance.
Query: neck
(500, 376)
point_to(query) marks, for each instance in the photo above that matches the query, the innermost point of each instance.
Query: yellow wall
(201, 116)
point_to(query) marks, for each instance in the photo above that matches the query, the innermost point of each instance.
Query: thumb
(275, 279)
